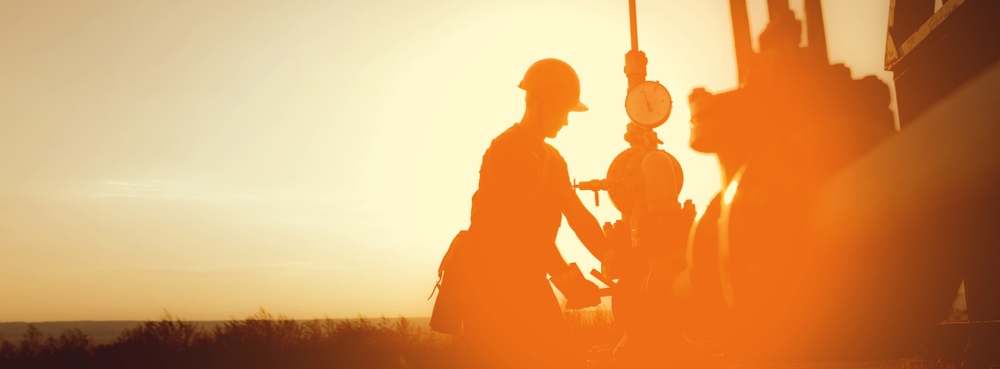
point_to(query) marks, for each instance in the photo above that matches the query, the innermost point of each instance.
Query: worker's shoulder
(511, 141)
(510, 136)
(553, 152)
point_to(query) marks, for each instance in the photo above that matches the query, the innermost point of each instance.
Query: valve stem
(595, 185)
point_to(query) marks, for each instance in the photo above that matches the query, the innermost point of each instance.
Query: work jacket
(517, 210)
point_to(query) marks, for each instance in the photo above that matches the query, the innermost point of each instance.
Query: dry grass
(594, 326)
(265, 341)
(260, 341)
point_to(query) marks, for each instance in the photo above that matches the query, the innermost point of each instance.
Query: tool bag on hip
(453, 287)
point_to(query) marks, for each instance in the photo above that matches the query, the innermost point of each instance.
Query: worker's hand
(590, 295)
(579, 291)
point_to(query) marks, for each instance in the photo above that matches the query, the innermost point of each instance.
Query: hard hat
(553, 81)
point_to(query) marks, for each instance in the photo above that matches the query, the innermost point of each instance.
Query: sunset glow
(313, 158)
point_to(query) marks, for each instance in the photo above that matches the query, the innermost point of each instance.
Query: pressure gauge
(648, 104)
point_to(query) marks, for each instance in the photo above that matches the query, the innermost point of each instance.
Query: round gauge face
(648, 104)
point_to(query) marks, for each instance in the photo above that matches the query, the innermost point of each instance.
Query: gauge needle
(648, 105)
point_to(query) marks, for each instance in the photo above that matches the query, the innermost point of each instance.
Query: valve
(595, 185)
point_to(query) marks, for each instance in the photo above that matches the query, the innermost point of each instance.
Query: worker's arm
(555, 264)
(585, 225)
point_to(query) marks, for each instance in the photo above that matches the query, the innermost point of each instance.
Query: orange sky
(310, 157)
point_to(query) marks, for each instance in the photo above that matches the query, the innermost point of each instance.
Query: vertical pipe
(632, 25)
(741, 37)
(776, 9)
(816, 31)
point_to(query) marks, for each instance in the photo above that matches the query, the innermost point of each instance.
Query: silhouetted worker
(524, 190)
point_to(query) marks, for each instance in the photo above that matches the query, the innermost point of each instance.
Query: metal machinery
(945, 58)
(836, 237)
(643, 183)
(792, 124)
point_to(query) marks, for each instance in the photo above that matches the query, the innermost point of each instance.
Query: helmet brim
(579, 107)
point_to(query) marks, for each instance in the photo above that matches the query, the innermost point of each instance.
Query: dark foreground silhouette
(264, 341)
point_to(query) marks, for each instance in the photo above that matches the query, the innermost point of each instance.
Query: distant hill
(103, 332)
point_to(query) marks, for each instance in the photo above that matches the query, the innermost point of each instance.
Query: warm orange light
(312, 157)
(730, 192)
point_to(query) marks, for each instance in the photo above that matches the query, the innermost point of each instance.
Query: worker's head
(553, 90)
